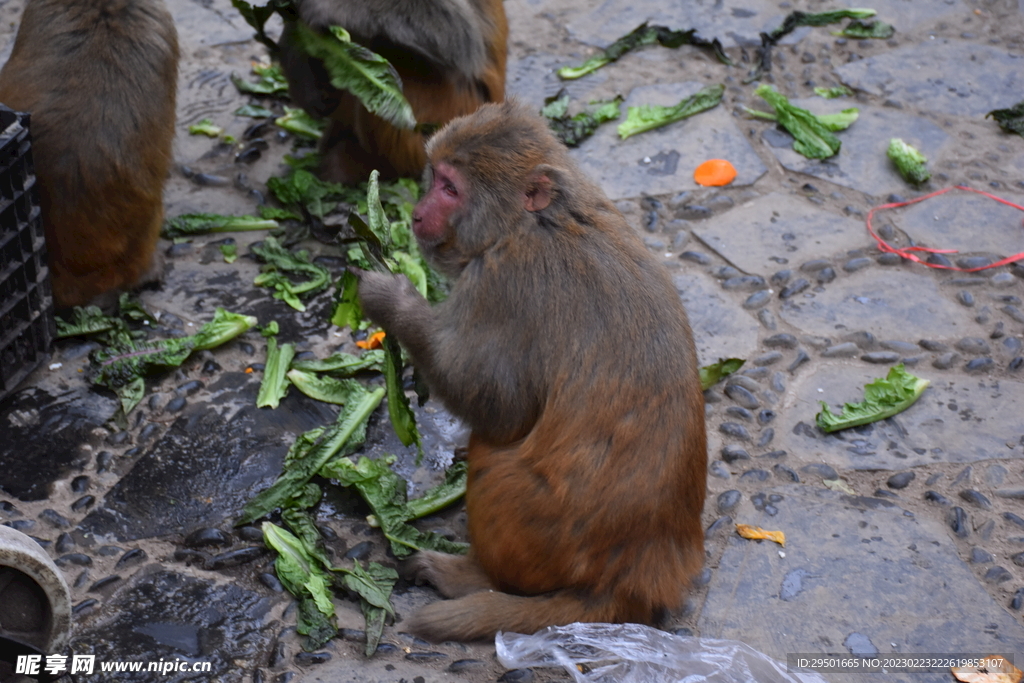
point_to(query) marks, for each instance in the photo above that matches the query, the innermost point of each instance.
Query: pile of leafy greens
(302, 563)
(128, 355)
(882, 398)
(382, 241)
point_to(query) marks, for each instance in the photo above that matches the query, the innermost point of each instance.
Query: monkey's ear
(541, 187)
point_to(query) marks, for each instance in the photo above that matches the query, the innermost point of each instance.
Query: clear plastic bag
(630, 653)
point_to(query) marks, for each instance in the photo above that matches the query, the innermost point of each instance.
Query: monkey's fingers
(356, 270)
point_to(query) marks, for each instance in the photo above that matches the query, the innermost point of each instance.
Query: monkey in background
(99, 79)
(450, 55)
(565, 347)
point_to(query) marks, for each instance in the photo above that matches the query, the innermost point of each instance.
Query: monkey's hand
(391, 301)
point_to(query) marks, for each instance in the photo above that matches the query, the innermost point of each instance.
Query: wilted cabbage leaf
(792, 21)
(909, 162)
(638, 37)
(305, 578)
(1010, 120)
(280, 261)
(650, 116)
(88, 320)
(121, 366)
(572, 130)
(882, 398)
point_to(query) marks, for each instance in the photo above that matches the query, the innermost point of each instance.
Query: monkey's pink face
(432, 215)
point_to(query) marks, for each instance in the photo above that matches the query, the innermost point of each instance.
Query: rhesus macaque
(565, 347)
(99, 79)
(450, 55)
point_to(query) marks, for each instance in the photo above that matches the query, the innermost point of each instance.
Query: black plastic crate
(26, 304)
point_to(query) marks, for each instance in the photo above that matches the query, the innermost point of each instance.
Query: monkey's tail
(480, 615)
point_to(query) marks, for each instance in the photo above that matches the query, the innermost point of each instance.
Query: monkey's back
(99, 79)
(605, 490)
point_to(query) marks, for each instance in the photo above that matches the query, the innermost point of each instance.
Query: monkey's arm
(396, 305)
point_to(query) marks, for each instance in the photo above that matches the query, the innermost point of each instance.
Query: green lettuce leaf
(201, 223)
(909, 162)
(271, 81)
(812, 137)
(254, 111)
(275, 382)
(325, 388)
(344, 364)
(205, 127)
(650, 116)
(300, 123)
(710, 375)
(365, 74)
(882, 398)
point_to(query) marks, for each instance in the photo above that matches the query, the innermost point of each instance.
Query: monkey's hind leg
(452, 575)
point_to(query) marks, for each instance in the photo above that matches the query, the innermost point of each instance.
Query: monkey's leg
(453, 575)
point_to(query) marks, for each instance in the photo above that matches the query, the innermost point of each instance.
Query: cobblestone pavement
(926, 555)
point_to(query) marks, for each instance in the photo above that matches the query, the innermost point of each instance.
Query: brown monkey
(99, 79)
(450, 55)
(565, 347)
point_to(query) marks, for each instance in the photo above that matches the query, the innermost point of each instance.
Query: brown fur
(566, 349)
(99, 79)
(450, 55)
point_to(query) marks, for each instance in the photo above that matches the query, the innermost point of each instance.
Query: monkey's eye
(451, 190)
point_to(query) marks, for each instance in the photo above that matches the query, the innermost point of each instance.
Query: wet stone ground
(926, 555)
